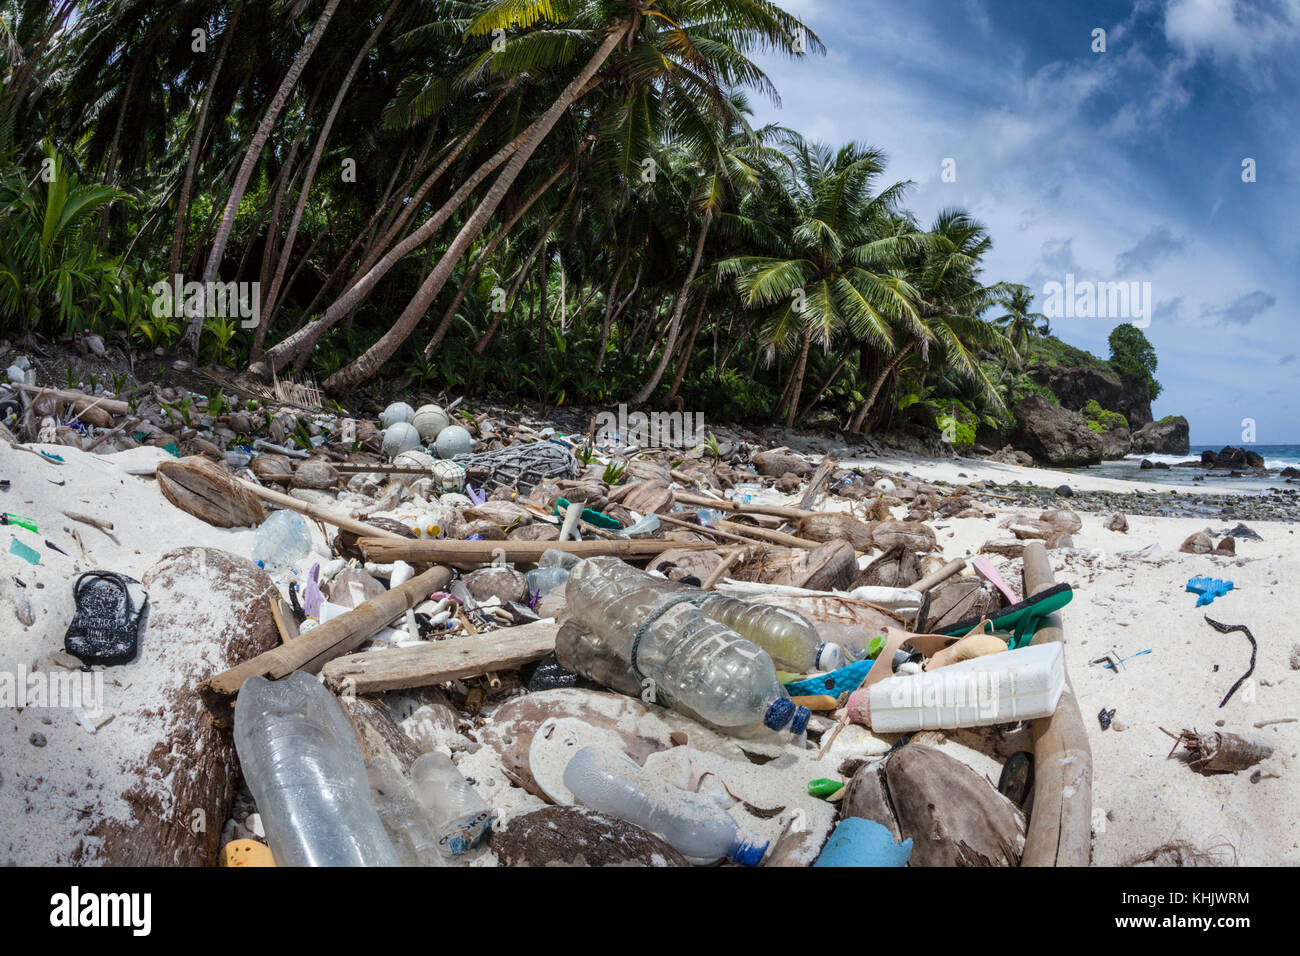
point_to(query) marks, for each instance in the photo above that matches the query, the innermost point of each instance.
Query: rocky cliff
(1075, 386)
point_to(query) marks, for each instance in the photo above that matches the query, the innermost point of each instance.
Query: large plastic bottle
(607, 780)
(789, 637)
(407, 824)
(700, 662)
(304, 768)
(458, 814)
(283, 541)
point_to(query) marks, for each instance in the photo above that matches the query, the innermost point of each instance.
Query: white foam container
(1000, 688)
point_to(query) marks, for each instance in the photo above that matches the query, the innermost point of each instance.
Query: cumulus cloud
(1157, 244)
(1230, 30)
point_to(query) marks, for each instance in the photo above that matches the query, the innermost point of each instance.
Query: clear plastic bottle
(555, 558)
(304, 768)
(407, 824)
(700, 662)
(788, 636)
(540, 580)
(458, 814)
(283, 541)
(694, 825)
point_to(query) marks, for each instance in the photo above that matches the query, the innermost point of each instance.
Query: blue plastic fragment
(861, 842)
(1208, 589)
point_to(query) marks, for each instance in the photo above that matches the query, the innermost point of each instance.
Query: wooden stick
(111, 405)
(111, 433)
(438, 661)
(815, 483)
(775, 537)
(722, 504)
(475, 553)
(311, 651)
(727, 535)
(99, 523)
(723, 567)
(954, 566)
(326, 515)
(1060, 826)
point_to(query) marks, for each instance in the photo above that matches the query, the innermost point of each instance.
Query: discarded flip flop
(1020, 619)
(106, 628)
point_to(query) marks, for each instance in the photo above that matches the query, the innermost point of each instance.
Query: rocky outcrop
(1074, 386)
(1233, 458)
(1055, 435)
(1115, 444)
(1169, 436)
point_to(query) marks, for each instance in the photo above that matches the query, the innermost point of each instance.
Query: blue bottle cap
(779, 713)
(748, 854)
(801, 715)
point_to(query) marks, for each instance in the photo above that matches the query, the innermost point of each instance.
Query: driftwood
(1060, 825)
(198, 487)
(776, 511)
(471, 554)
(111, 405)
(326, 515)
(815, 483)
(439, 661)
(311, 651)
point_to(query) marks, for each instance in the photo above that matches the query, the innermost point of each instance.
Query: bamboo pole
(775, 537)
(1060, 824)
(715, 532)
(722, 504)
(311, 651)
(938, 577)
(463, 554)
(326, 515)
(111, 405)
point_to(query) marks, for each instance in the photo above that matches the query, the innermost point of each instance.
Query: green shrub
(1102, 421)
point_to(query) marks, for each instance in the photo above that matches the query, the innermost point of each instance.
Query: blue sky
(1117, 166)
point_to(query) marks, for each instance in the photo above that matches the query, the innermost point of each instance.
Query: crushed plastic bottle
(407, 824)
(788, 636)
(555, 558)
(654, 626)
(300, 758)
(540, 580)
(283, 541)
(610, 782)
(458, 814)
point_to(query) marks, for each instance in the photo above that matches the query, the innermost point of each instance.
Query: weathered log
(439, 661)
(1060, 824)
(326, 515)
(321, 644)
(471, 554)
(201, 488)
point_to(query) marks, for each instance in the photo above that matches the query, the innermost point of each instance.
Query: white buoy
(396, 412)
(452, 441)
(429, 420)
(400, 437)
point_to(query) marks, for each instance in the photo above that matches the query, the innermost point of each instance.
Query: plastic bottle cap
(749, 854)
(829, 656)
(800, 721)
(780, 713)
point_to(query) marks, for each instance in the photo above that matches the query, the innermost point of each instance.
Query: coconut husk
(537, 531)
(836, 525)
(198, 487)
(345, 542)
(896, 568)
(953, 816)
(829, 567)
(955, 600)
(649, 497)
(910, 534)
(271, 466)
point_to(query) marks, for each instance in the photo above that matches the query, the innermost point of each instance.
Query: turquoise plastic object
(1208, 589)
(588, 515)
(833, 683)
(30, 555)
(861, 842)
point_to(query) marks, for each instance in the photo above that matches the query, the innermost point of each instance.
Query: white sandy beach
(1122, 601)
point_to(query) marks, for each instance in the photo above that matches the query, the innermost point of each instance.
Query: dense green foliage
(1132, 354)
(559, 199)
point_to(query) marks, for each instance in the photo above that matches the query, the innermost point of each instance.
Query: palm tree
(1021, 325)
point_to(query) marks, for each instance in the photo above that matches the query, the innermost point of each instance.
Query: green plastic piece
(588, 515)
(27, 554)
(21, 522)
(824, 787)
(877, 645)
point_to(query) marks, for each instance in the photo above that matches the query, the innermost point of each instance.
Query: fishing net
(519, 466)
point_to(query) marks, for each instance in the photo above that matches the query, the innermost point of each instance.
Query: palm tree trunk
(812, 403)
(861, 416)
(797, 381)
(251, 157)
(685, 358)
(187, 185)
(268, 307)
(365, 366)
(676, 322)
(485, 256)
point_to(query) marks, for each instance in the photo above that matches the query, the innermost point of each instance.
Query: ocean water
(1276, 457)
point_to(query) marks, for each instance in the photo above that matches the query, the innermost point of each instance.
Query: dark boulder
(1055, 435)
(1075, 386)
(1169, 436)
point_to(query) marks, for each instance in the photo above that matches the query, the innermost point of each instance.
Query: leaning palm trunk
(187, 185)
(861, 416)
(485, 256)
(675, 323)
(365, 366)
(250, 161)
(796, 381)
(684, 360)
(812, 403)
(268, 307)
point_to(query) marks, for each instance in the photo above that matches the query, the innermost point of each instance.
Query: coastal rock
(1169, 436)
(1232, 458)
(1199, 543)
(1055, 435)
(1117, 522)
(1075, 386)
(1115, 444)
(1227, 546)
